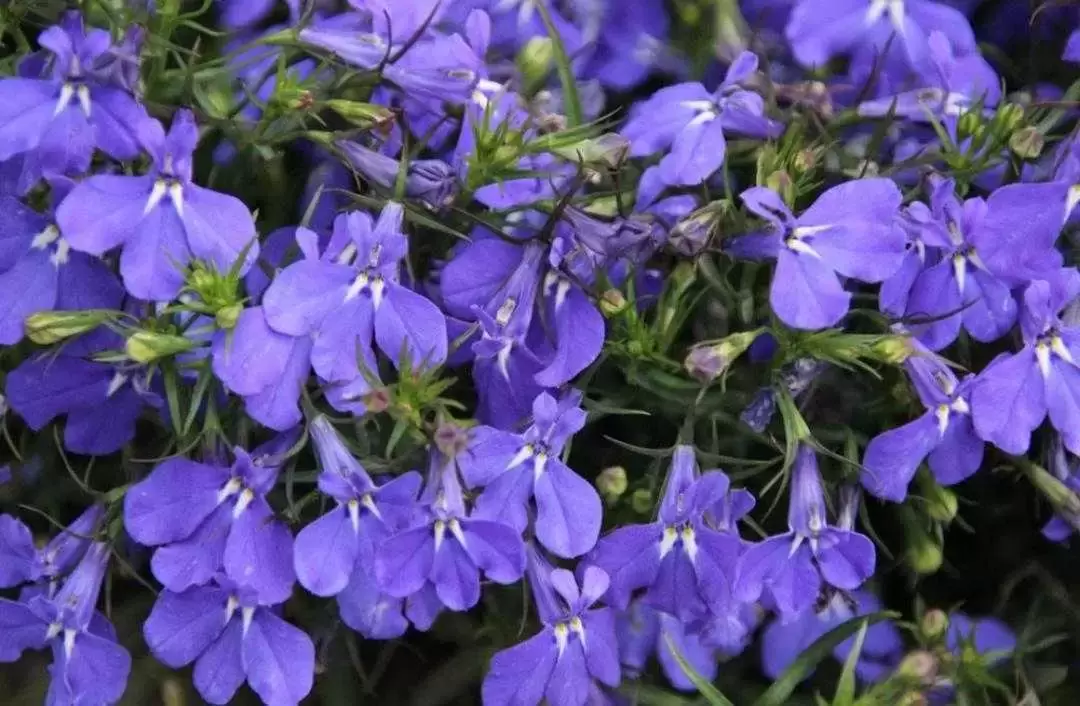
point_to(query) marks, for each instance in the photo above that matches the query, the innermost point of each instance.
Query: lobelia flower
(101, 401)
(89, 667)
(945, 434)
(162, 219)
(634, 46)
(682, 562)
(446, 549)
(643, 631)
(796, 377)
(821, 29)
(957, 84)
(692, 121)
(203, 518)
(232, 637)
(335, 554)
(508, 289)
(348, 300)
(882, 649)
(74, 107)
(851, 230)
(1014, 394)
(973, 253)
(40, 272)
(794, 566)
(983, 641)
(512, 468)
(577, 647)
(21, 561)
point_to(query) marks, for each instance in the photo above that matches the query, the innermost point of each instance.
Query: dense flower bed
(473, 351)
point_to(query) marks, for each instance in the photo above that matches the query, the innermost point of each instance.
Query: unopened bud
(780, 182)
(534, 60)
(1008, 118)
(612, 482)
(48, 327)
(1060, 496)
(923, 553)
(612, 303)
(969, 124)
(227, 316)
(706, 362)
(361, 114)
(920, 665)
(941, 503)
(172, 692)
(933, 624)
(641, 501)
(148, 346)
(893, 350)
(1027, 143)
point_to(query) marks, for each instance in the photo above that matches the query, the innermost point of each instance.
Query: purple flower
(89, 667)
(348, 300)
(204, 518)
(508, 289)
(338, 549)
(821, 29)
(162, 219)
(851, 230)
(945, 434)
(447, 549)
(793, 566)
(232, 638)
(956, 85)
(23, 562)
(1015, 392)
(643, 631)
(782, 643)
(576, 648)
(102, 401)
(512, 468)
(692, 121)
(685, 565)
(268, 369)
(40, 272)
(972, 254)
(61, 117)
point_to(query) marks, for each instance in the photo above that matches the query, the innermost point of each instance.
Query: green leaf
(785, 685)
(707, 690)
(562, 65)
(845, 687)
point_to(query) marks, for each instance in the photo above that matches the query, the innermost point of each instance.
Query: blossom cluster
(404, 302)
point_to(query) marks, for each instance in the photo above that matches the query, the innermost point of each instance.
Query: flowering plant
(470, 351)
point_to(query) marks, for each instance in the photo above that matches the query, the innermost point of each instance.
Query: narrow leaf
(709, 692)
(845, 687)
(571, 99)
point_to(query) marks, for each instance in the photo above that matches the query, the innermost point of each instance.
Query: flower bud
(780, 182)
(925, 557)
(1008, 118)
(1027, 143)
(1060, 496)
(361, 114)
(612, 303)
(48, 327)
(612, 482)
(706, 362)
(451, 439)
(534, 60)
(969, 124)
(893, 350)
(227, 316)
(641, 501)
(148, 346)
(377, 401)
(919, 665)
(172, 692)
(933, 624)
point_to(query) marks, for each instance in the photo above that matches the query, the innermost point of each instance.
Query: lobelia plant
(402, 365)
